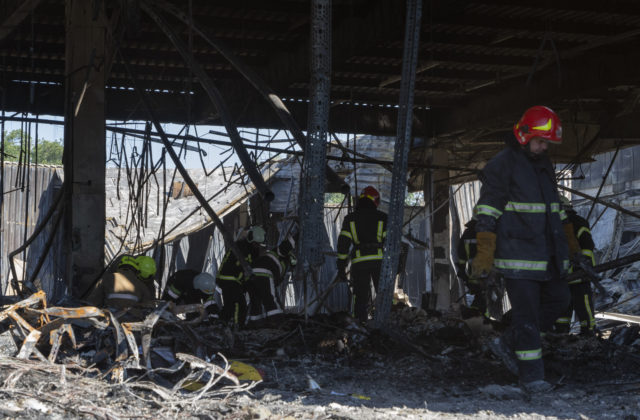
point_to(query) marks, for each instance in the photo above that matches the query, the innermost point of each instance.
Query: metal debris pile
(112, 349)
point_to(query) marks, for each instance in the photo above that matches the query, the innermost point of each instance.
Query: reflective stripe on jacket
(230, 268)
(585, 240)
(362, 235)
(119, 289)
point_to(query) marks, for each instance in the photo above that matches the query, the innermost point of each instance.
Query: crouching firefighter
(268, 273)
(186, 287)
(360, 241)
(230, 277)
(130, 284)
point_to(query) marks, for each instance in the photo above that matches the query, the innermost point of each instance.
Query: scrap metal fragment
(634, 319)
(30, 301)
(133, 345)
(56, 340)
(196, 362)
(72, 313)
(121, 344)
(29, 346)
(21, 322)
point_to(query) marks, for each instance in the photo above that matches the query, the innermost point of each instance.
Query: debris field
(85, 362)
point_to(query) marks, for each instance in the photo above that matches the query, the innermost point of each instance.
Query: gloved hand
(483, 261)
(579, 260)
(476, 285)
(572, 241)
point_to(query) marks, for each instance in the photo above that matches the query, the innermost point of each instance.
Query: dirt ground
(421, 367)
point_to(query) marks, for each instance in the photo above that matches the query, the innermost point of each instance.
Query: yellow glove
(572, 241)
(483, 261)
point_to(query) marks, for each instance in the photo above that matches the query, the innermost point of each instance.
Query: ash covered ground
(328, 367)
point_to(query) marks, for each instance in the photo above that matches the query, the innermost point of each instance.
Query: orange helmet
(538, 121)
(371, 193)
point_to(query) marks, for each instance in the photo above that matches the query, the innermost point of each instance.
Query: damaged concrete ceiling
(481, 63)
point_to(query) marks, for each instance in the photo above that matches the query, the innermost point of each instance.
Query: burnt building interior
(442, 81)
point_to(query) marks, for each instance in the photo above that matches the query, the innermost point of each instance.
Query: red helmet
(538, 121)
(371, 193)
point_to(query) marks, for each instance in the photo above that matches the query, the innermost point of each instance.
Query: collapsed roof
(481, 63)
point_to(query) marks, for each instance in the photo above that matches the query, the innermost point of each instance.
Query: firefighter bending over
(130, 284)
(186, 287)
(268, 273)
(231, 279)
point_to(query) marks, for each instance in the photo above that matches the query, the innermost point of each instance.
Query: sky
(191, 159)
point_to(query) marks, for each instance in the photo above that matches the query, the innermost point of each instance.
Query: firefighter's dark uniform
(119, 290)
(267, 274)
(361, 240)
(180, 290)
(466, 252)
(230, 279)
(581, 293)
(519, 203)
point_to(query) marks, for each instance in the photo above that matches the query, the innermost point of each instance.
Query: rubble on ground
(89, 362)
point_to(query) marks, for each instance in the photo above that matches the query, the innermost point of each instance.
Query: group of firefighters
(230, 296)
(522, 230)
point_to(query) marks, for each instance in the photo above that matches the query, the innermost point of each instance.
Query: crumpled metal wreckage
(118, 342)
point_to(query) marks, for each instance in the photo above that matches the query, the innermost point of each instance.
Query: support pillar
(392, 247)
(438, 194)
(84, 161)
(311, 210)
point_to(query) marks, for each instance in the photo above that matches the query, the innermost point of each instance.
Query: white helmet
(205, 282)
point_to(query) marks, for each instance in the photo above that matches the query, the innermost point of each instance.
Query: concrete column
(84, 166)
(438, 193)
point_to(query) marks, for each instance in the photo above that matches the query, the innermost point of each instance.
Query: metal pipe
(604, 179)
(600, 201)
(228, 238)
(218, 102)
(47, 246)
(56, 202)
(391, 251)
(629, 259)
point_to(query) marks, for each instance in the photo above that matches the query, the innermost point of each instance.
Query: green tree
(12, 145)
(49, 152)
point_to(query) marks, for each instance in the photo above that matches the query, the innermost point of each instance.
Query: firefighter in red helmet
(524, 234)
(360, 242)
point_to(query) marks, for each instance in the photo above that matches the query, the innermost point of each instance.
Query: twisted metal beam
(218, 102)
(252, 77)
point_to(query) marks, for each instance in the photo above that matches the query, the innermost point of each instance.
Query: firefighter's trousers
(263, 298)
(362, 274)
(234, 301)
(536, 305)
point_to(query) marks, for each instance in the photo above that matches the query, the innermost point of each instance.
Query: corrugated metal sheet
(375, 147)
(466, 196)
(625, 169)
(28, 196)
(176, 247)
(183, 215)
